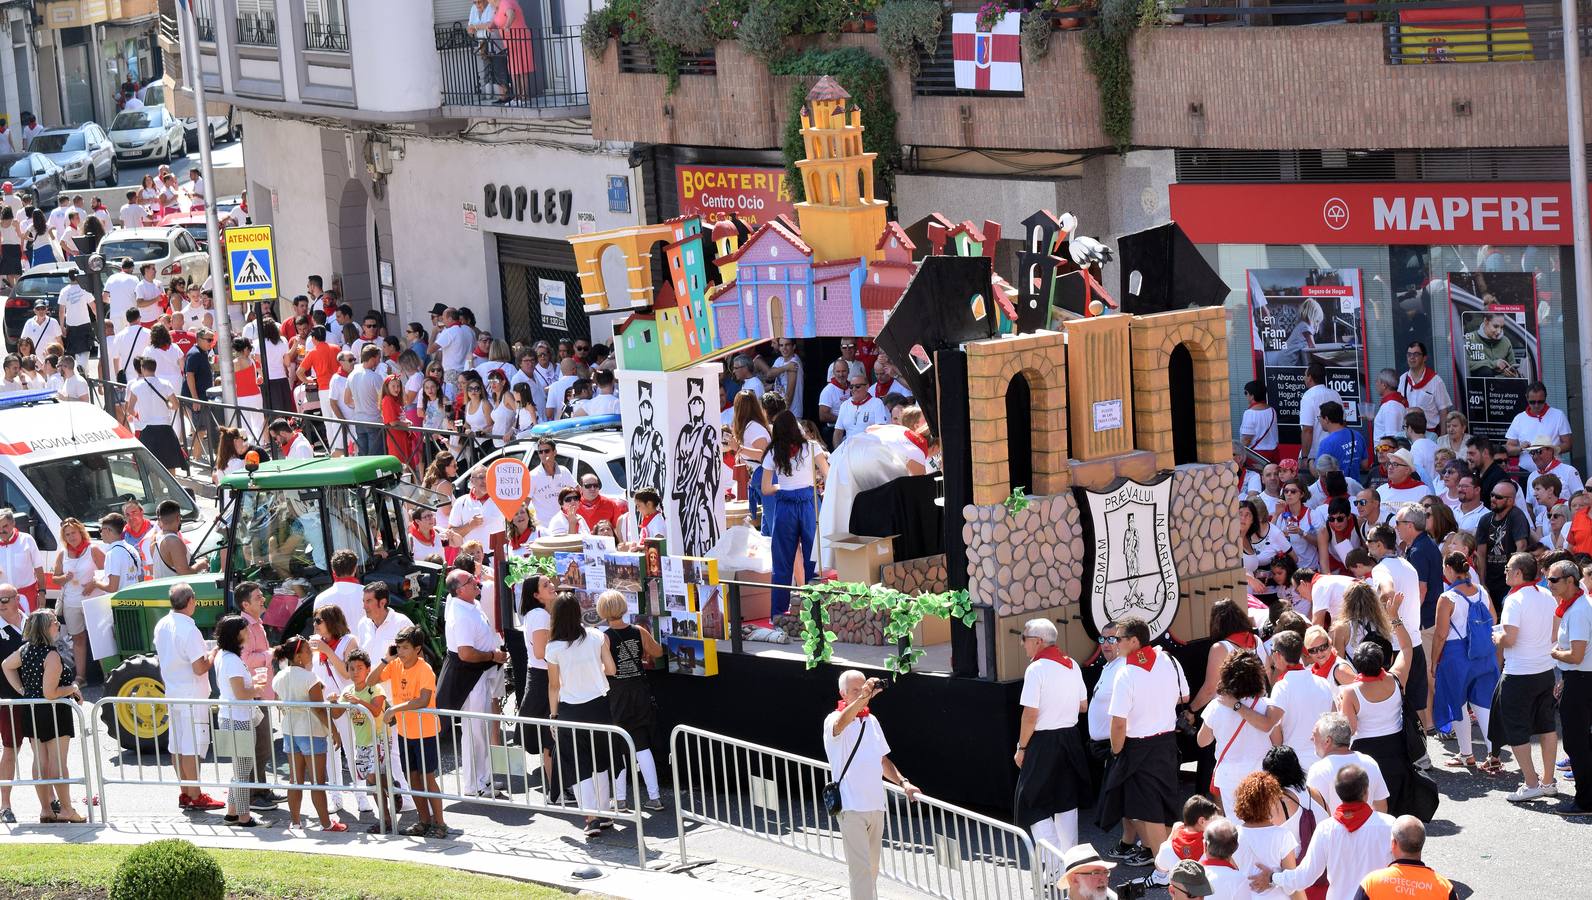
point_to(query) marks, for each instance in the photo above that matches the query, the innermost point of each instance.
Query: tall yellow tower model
(840, 219)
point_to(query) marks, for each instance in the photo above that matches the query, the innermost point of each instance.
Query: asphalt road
(132, 174)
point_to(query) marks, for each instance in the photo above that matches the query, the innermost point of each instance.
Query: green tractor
(280, 525)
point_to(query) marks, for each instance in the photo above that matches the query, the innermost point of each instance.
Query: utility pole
(91, 280)
(1578, 199)
(221, 289)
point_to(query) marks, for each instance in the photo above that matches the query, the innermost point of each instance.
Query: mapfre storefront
(1352, 273)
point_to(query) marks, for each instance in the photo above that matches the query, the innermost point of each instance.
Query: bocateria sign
(1519, 212)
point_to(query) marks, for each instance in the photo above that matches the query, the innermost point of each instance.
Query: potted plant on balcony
(908, 29)
(990, 14)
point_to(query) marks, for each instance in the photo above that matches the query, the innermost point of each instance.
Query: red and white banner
(1504, 213)
(987, 60)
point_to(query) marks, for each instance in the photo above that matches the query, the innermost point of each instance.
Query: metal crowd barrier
(50, 773)
(929, 845)
(114, 764)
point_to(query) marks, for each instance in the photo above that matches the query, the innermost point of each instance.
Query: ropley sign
(550, 205)
(1128, 541)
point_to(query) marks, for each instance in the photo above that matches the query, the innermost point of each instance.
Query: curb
(461, 855)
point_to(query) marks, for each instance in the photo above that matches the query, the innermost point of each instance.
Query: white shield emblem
(1131, 572)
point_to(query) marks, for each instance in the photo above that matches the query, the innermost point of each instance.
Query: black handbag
(831, 791)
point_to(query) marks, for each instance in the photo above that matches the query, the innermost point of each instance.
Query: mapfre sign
(1507, 213)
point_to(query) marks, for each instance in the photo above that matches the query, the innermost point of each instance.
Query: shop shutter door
(448, 11)
(523, 263)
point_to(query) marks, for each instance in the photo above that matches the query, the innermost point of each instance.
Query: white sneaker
(1549, 789)
(1524, 793)
(1159, 878)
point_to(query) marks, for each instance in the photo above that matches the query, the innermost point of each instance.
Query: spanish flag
(1463, 34)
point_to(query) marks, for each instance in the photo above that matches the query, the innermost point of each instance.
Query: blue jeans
(308, 746)
(795, 517)
(369, 440)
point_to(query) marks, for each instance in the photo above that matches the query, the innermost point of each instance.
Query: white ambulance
(70, 459)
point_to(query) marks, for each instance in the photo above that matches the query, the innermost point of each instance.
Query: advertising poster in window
(1298, 316)
(1493, 318)
(551, 292)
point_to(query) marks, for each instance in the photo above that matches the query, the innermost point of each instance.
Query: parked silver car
(84, 153)
(149, 133)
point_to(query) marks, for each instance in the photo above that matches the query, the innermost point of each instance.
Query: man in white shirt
(345, 591)
(605, 399)
(787, 372)
(1422, 448)
(1393, 575)
(1053, 774)
(363, 399)
(1422, 388)
(66, 382)
(1538, 418)
(147, 294)
(558, 391)
(835, 392)
(1404, 485)
(21, 563)
(132, 214)
(855, 368)
(858, 412)
(1332, 736)
(41, 329)
(121, 294)
(77, 326)
(476, 517)
(452, 342)
(8, 195)
(185, 663)
(472, 641)
(741, 370)
(1471, 509)
(291, 441)
(1545, 459)
(1316, 393)
(1524, 703)
(1221, 845)
(1099, 714)
(56, 220)
(30, 129)
(196, 186)
(1324, 593)
(1141, 780)
(1355, 842)
(1302, 695)
(1390, 411)
(859, 761)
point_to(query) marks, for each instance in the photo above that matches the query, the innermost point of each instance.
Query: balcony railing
(329, 36)
(205, 28)
(537, 69)
(257, 30)
(1457, 32)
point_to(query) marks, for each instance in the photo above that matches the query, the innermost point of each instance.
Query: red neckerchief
(1346, 531)
(1352, 815)
(1187, 843)
(1564, 606)
(1144, 658)
(1208, 861)
(1325, 669)
(647, 522)
(882, 387)
(1244, 639)
(414, 532)
(1395, 395)
(1405, 484)
(1425, 379)
(865, 399)
(78, 554)
(839, 384)
(1549, 467)
(139, 534)
(1371, 679)
(1294, 667)
(918, 441)
(516, 543)
(861, 713)
(1545, 408)
(16, 535)
(345, 580)
(1054, 654)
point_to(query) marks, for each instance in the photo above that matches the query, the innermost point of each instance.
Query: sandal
(1492, 765)
(1457, 761)
(383, 828)
(418, 829)
(48, 819)
(335, 827)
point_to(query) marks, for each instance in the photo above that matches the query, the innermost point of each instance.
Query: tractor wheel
(138, 727)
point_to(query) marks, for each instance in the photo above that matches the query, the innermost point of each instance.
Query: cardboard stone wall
(670, 421)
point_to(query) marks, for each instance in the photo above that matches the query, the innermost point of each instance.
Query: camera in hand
(1132, 889)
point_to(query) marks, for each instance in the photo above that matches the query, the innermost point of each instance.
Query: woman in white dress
(75, 565)
(1238, 723)
(1264, 838)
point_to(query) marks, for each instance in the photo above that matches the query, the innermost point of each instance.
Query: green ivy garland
(867, 79)
(905, 611)
(1106, 52)
(522, 567)
(1016, 503)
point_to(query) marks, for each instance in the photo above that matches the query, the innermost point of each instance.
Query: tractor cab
(280, 524)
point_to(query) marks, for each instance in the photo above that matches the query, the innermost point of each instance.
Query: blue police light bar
(28, 398)
(568, 426)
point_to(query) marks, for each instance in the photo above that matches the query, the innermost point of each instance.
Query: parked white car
(150, 133)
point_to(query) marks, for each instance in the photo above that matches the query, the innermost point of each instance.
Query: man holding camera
(859, 760)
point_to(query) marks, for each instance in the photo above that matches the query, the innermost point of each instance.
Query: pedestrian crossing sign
(251, 263)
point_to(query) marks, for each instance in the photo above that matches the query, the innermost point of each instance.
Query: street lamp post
(1579, 217)
(91, 279)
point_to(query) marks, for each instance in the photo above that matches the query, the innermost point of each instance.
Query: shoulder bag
(831, 791)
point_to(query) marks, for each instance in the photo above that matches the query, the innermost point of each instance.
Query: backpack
(1478, 627)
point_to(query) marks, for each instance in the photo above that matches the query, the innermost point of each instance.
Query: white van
(70, 459)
